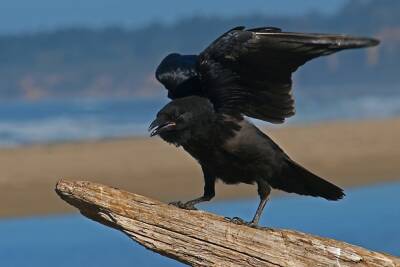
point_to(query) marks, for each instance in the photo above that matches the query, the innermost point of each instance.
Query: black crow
(243, 73)
(248, 71)
(230, 148)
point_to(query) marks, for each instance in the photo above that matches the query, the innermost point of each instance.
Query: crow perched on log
(234, 150)
(242, 73)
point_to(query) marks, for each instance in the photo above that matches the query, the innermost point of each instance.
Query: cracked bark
(200, 238)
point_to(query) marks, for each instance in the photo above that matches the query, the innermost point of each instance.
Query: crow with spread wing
(243, 72)
(249, 71)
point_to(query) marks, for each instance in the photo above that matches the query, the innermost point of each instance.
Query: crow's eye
(184, 117)
(180, 117)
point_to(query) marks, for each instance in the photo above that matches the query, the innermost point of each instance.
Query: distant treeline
(121, 62)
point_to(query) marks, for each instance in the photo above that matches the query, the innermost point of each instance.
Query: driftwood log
(200, 238)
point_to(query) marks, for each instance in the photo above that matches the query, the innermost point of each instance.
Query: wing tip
(357, 42)
(370, 42)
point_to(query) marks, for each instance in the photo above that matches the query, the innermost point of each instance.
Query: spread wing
(249, 71)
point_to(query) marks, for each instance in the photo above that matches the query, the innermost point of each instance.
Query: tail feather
(296, 179)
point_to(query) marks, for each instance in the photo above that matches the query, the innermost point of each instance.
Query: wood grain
(200, 238)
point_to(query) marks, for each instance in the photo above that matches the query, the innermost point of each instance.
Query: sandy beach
(346, 153)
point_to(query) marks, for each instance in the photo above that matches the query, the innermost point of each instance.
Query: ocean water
(49, 121)
(367, 217)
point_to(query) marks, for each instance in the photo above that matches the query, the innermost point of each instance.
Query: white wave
(364, 107)
(109, 123)
(377, 107)
(64, 129)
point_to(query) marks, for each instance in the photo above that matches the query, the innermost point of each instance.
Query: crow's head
(179, 75)
(183, 119)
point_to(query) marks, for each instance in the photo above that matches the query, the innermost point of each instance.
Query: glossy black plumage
(232, 149)
(249, 71)
(243, 72)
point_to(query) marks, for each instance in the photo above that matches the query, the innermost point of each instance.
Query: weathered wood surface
(200, 238)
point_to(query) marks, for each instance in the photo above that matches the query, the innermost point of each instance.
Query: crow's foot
(240, 221)
(187, 205)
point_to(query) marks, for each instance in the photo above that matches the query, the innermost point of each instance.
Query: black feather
(296, 179)
(249, 71)
(234, 150)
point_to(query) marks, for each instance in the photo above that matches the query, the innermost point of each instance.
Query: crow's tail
(296, 179)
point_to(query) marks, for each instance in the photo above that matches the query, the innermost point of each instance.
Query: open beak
(157, 127)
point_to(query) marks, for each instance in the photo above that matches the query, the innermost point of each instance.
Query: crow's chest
(230, 166)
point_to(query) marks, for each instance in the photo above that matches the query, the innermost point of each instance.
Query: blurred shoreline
(350, 153)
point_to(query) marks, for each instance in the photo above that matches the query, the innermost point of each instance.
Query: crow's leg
(263, 191)
(209, 193)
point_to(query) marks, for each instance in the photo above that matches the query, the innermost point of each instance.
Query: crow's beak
(158, 126)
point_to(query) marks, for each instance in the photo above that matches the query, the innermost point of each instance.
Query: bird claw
(236, 220)
(240, 221)
(181, 205)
